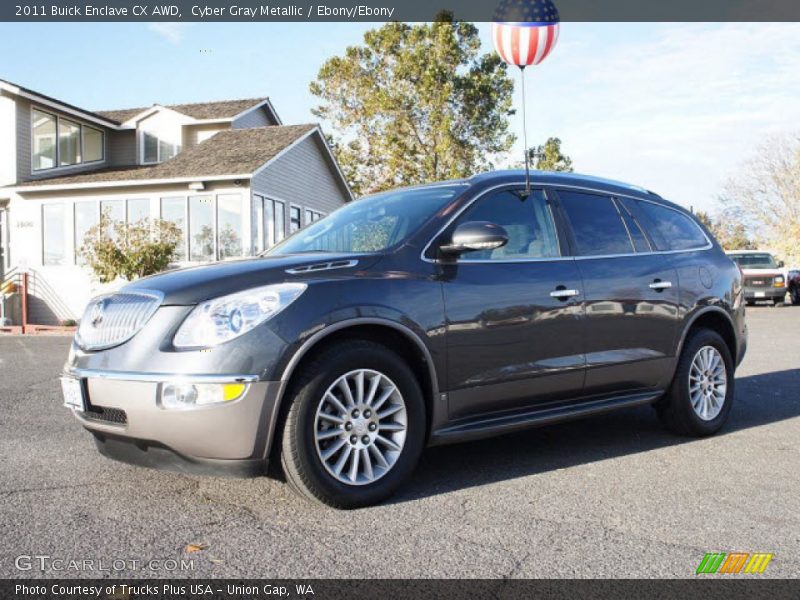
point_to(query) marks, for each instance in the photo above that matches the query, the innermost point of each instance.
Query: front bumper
(128, 424)
(764, 293)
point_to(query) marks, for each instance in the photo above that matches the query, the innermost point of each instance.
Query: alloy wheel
(360, 427)
(708, 383)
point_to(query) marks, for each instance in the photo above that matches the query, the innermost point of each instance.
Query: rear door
(631, 295)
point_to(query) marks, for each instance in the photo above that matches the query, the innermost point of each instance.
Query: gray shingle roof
(224, 109)
(229, 152)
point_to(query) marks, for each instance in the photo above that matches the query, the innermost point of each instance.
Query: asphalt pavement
(610, 496)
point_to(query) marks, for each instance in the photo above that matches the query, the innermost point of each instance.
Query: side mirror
(780, 264)
(475, 235)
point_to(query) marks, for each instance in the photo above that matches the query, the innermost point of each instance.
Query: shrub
(129, 250)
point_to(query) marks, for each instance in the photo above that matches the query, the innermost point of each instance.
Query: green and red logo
(734, 562)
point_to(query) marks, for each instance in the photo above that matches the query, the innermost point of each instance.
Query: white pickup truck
(763, 276)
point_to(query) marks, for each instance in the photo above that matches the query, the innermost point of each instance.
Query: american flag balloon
(525, 31)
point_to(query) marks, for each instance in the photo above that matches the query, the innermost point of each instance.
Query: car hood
(195, 284)
(762, 272)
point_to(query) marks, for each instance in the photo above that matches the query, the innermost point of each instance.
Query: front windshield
(371, 224)
(754, 261)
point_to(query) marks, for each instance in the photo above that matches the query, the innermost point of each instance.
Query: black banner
(389, 10)
(709, 588)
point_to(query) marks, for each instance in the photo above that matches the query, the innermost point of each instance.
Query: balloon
(525, 31)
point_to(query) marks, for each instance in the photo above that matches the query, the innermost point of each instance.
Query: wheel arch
(411, 347)
(716, 319)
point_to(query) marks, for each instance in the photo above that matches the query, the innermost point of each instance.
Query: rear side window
(675, 230)
(596, 223)
(638, 237)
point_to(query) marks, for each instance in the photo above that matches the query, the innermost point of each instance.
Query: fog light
(188, 395)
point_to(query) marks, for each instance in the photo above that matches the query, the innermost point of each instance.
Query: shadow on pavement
(760, 400)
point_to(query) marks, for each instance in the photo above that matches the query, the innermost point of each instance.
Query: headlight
(779, 281)
(219, 320)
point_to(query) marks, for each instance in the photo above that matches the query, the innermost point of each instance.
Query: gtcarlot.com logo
(43, 562)
(721, 563)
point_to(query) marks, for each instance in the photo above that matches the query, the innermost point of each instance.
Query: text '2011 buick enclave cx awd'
(421, 316)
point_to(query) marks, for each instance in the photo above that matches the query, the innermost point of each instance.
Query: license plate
(73, 393)
(760, 294)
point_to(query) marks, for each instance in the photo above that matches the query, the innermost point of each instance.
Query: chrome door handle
(660, 285)
(561, 294)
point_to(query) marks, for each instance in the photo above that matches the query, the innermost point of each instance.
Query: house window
(69, 143)
(229, 223)
(269, 223)
(86, 217)
(62, 142)
(157, 150)
(312, 215)
(44, 140)
(201, 228)
(92, 144)
(294, 219)
(174, 210)
(53, 234)
(138, 209)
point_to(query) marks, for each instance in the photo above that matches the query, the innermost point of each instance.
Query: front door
(631, 296)
(514, 314)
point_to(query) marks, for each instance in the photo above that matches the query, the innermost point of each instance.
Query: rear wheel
(699, 399)
(355, 428)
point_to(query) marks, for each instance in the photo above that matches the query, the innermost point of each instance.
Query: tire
(676, 409)
(313, 476)
(778, 301)
(795, 295)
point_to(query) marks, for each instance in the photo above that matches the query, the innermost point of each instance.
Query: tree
(765, 192)
(549, 157)
(728, 229)
(129, 250)
(415, 103)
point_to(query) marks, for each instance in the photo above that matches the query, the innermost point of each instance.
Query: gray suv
(426, 315)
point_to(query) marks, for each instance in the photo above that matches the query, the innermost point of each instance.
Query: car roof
(570, 179)
(748, 252)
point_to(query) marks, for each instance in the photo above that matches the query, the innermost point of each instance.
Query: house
(229, 174)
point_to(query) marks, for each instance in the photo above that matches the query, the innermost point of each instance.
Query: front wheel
(699, 399)
(356, 426)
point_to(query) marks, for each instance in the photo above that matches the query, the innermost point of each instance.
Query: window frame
(310, 211)
(300, 225)
(64, 206)
(140, 142)
(57, 166)
(651, 228)
(429, 253)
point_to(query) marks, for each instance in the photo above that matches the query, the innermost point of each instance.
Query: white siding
(70, 287)
(8, 141)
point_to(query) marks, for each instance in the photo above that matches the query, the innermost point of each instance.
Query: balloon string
(525, 133)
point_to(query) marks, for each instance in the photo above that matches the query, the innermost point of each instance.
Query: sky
(675, 108)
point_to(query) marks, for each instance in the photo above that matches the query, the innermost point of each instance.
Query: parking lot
(611, 496)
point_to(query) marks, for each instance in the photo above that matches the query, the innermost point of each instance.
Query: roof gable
(202, 111)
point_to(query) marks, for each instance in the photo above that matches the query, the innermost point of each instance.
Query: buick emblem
(98, 311)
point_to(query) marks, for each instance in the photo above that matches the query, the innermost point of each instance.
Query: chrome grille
(113, 319)
(755, 281)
